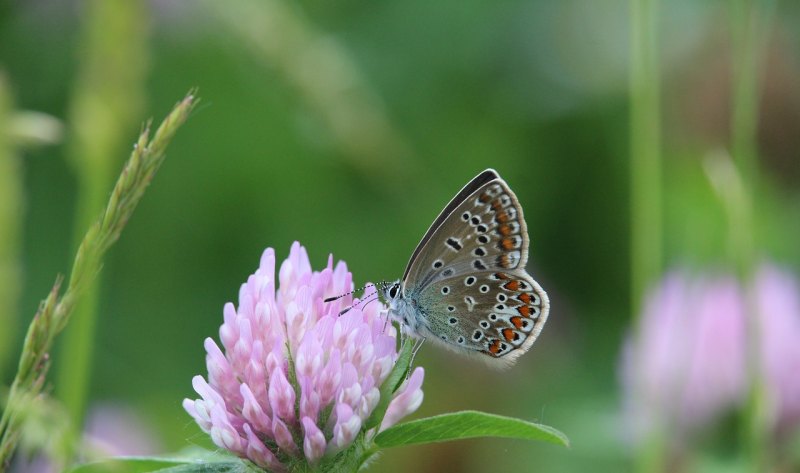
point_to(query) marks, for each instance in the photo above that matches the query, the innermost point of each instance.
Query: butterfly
(465, 286)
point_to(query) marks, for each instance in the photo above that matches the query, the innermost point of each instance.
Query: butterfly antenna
(364, 301)
(331, 299)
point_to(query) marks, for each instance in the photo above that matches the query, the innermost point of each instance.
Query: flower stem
(106, 103)
(750, 25)
(55, 311)
(645, 197)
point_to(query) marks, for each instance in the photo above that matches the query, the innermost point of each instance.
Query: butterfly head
(400, 308)
(390, 290)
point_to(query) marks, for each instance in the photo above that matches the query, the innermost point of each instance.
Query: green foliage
(105, 107)
(442, 428)
(11, 205)
(222, 464)
(534, 88)
(55, 311)
(464, 425)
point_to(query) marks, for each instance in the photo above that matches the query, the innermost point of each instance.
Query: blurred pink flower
(111, 430)
(687, 365)
(296, 380)
(778, 301)
(117, 430)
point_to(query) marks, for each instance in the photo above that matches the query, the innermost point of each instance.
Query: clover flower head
(687, 364)
(294, 380)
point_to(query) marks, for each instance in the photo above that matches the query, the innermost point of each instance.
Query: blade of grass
(166, 465)
(55, 311)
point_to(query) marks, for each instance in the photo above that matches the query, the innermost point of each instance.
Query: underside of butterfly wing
(495, 315)
(485, 231)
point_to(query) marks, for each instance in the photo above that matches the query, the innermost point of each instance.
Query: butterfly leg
(403, 337)
(368, 301)
(418, 345)
(364, 301)
(386, 321)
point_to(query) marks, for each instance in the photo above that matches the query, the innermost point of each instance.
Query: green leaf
(464, 425)
(346, 461)
(166, 465)
(391, 383)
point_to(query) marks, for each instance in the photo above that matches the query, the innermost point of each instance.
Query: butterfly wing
(467, 277)
(481, 229)
(496, 315)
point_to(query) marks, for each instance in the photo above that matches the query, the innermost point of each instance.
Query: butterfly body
(466, 286)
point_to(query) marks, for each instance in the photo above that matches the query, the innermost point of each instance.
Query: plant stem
(750, 25)
(645, 197)
(645, 146)
(106, 103)
(11, 208)
(54, 312)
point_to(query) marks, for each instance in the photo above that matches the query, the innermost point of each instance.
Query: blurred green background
(348, 126)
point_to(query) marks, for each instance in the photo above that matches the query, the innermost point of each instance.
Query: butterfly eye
(393, 291)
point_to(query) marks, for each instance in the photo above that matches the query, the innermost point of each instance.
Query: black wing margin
(478, 181)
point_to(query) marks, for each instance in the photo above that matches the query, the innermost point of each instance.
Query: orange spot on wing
(524, 310)
(507, 244)
(501, 275)
(511, 285)
(524, 297)
(494, 348)
(504, 229)
(501, 217)
(484, 198)
(508, 334)
(517, 321)
(504, 262)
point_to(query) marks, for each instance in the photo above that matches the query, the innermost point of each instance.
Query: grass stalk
(56, 309)
(750, 26)
(11, 208)
(645, 182)
(645, 148)
(106, 102)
